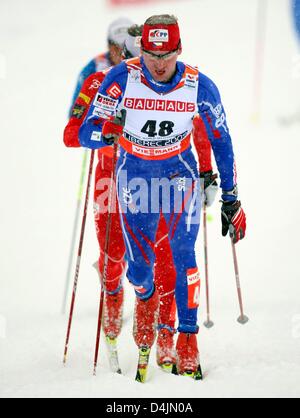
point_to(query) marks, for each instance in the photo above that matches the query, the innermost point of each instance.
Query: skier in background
(161, 96)
(296, 14)
(116, 35)
(295, 116)
(165, 274)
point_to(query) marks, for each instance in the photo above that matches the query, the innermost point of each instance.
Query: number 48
(166, 128)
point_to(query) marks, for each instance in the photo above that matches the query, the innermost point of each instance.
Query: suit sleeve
(85, 73)
(80, 109)
(104, 107)
(202, 145)
(213, 114)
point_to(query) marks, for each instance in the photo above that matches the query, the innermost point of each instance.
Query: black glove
(233, 220)
(113, 129)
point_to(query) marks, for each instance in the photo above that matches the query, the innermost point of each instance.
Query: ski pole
(106, 249)
(79, 254)
(208, 323)
(242, 319)
(75, 228)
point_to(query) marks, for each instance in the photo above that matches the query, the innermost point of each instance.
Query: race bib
(194, 285)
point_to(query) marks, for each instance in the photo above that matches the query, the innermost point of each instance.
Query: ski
(166, 367)
(198, 375)
(111, 344)
(142, 368)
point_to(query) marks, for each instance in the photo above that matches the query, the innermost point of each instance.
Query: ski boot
(144, 331)
(112, 324)
(188, 357)
(165, 354)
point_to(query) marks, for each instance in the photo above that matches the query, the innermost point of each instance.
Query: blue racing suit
(155, 177)
(97, 64)
(296, 13)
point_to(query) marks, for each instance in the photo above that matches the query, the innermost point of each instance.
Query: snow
(43, 46)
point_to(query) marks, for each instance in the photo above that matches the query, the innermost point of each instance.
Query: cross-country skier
(295, 116)
(161, 97)
(296, 15)
(165, 274)
(117, 33)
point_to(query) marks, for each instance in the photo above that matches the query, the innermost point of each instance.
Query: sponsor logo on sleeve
(114, 90)
(218, 110)
(106, 104)
(220, 116)
(78, 111)
(96, 136)
(95, 85)
(85, 98)
(98, 113)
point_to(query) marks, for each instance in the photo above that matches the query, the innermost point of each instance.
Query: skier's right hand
(113, 129)
(209, 186)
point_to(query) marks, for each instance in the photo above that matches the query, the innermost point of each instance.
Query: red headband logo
(158, 36)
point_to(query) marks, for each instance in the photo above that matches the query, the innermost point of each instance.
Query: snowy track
(43, 45)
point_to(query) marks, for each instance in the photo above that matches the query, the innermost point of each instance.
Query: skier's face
(115, 54)
(161, 65)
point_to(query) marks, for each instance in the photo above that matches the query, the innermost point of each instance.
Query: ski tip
(142, 369)
(174, 370)
(196, 375)
(113, 354)
(188, 373)
(141, 376)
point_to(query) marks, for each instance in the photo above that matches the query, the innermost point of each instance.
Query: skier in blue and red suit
(116, 36)
(296, 14)
(161, 97)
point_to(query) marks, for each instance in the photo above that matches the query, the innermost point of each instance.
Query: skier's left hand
(233, 220)
(209, 186)
(113, 129)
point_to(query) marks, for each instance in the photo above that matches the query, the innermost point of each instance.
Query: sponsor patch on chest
(105, 104)
(191, 81)
(160, 105)
(114, 90)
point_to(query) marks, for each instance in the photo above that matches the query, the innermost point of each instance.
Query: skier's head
(132, 46)
(117, 33)
(161, 46)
